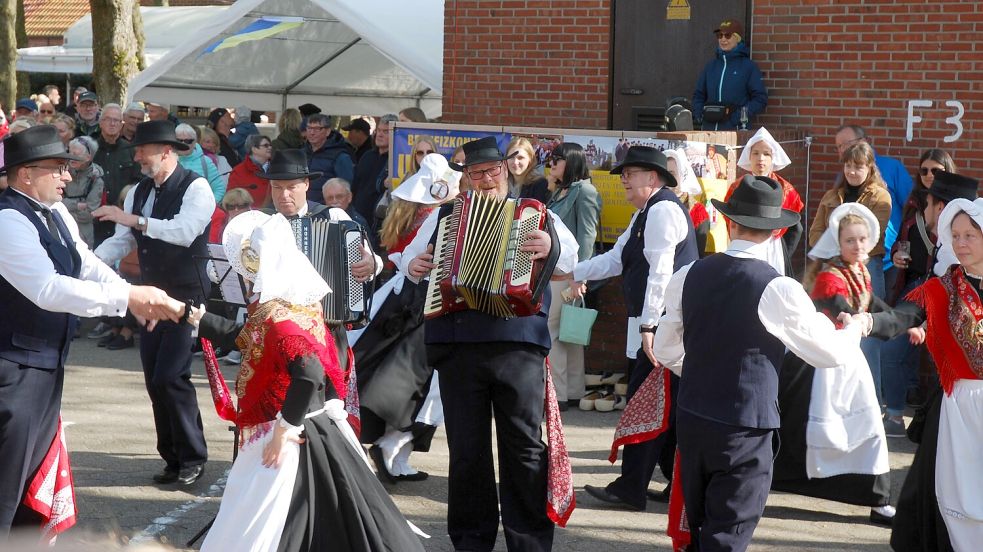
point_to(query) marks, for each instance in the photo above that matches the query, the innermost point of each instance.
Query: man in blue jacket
(327, 153)
(730, 82)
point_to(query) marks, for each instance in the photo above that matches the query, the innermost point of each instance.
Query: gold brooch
(249, 257)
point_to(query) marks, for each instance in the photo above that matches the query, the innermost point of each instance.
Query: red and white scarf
(51, 492)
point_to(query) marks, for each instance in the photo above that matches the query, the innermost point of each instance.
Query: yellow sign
(678, 10)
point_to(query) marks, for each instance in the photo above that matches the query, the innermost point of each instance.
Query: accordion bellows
(479, 262)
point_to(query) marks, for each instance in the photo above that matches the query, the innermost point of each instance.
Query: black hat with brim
(649, 158)
(34, 144)
(757, 203)
(948, 186)
(288, 164)
(482, 150)
(157, 132)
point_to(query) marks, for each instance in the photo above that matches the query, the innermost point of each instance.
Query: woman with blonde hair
(421, 148)
(65, 126)
(288, 131)
(525, 176)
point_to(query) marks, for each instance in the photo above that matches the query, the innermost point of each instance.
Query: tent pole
(283, 103)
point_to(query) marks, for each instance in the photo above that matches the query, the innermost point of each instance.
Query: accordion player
(479, 261)
(333, 246)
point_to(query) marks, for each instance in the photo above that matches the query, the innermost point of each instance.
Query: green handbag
(576, 323)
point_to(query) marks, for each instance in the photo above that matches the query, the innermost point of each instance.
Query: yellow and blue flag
(264, 27)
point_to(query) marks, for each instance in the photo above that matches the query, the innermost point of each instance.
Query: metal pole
(805, 219)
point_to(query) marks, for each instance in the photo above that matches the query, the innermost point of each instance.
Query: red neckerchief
(560, 498)
(857, 280)
(421, 215)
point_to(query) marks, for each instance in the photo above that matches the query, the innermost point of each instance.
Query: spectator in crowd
(115, 156)
(525, 175)
(328, 154)
(288, 129)
(65, 126)
(421, 148)
(121, 329)
(194, 160)
(160, 112)
(133, 116)
(22, 124)
(576, 202)
(87, 118)
(412, 115)
(72, 109)
(371, 175)
(210, 144)
(26, 108)
(898, 183)
(359, 136)
(731, 91)
(337, 193)
(308, 109)
(689, 192)
(244, 128)
(84, 193)
(236, 202)
(46, 111)
(246, 175)
(53, 94)
(4, 125)
(221, 121)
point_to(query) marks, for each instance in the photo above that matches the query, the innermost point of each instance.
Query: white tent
(163, 29)
(346, 56)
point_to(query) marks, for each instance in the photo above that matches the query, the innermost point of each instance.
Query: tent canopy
(163, 29)
(346, 56)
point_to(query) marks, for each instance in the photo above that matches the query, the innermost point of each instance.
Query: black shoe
(563, 406)
(418, 476)
(120, 342)
(106, 340)
(660, 496)
(602, 494)
(187, 476)
(878, 518)
(167, 475)
(375, 453)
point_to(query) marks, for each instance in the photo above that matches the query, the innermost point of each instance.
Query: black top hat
(482, 150)
(757, 203)
(157, 132)
(34, 144)
(649, 158)
(948, 186)
(288, 164)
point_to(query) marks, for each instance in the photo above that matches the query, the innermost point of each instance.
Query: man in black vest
(48, 277)
(729, 318)
(659, 241)
(487, 366)
(166, 218)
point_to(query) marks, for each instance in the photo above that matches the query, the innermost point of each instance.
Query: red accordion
(479, 262)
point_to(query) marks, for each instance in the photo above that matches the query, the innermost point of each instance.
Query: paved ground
(111, 439)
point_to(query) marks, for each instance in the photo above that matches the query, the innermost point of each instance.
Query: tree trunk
(116, 47)
(138, 31)
(8, 55)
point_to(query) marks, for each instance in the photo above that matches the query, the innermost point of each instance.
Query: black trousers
(30, 403)
(504, 380)
(726, 475)
(166, 357)
(638, 461)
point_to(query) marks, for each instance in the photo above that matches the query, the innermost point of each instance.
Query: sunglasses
(423, 153)
(47, 112)
(925, 171)
(239, 207)
(724, 35)
(188, 141)
(555, 159)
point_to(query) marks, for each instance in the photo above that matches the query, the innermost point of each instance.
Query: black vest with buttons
(634, 265)
(29, 335)
(178, 270)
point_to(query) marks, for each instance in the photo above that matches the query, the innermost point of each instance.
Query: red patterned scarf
(560, 500)
(647, 413)
(51, 492)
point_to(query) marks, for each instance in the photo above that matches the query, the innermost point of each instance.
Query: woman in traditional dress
(300, 480)
(398, 395)
(949, 460)
(833, 442)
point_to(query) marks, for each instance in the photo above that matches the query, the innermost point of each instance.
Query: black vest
(634, 265)
(29, 335)
(178, 270)
(730, 371)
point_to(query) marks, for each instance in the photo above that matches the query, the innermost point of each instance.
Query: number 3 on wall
(955, 120)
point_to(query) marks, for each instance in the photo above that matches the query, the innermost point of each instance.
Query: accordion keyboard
(443, 257)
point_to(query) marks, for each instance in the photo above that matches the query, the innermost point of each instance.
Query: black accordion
(332, 247)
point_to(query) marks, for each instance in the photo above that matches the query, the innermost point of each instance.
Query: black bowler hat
(757, 203)
(34, 144)
(649, 158)
(157, 132)
(482, 150)
(948, 186)
(288, 164)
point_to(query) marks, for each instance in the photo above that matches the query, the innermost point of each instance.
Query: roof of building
(49, 18)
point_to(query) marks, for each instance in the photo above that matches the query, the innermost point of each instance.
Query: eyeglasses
(423, 153)
(60, 169)
(925, 171)
(318, 128)
(47, 112)
(439, 189)
(265, 145)
(112, 121)
(553, 160)
(491, 173)
(626, 175)
(188, 141)
(725, 36)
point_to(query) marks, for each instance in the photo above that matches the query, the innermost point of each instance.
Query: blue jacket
(333, 159)
(731, 78)
(899, 184)
(238, 139)
(196, 162)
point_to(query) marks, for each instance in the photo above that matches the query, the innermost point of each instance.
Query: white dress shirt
(785, 310)
(98, 291)
(196, 211)
(665, 227)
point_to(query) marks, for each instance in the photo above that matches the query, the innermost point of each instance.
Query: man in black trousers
(166, 219)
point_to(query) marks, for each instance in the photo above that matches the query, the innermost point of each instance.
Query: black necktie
(50, 221)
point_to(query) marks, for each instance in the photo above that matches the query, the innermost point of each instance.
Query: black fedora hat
(757, 203)
(649, 158)
(288, 164)
(482, 150)
(34, 144)
(948, 186)
(157, 132)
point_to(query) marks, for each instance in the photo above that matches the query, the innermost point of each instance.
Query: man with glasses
(328, 154)
(45, 110)
(337, 193)
(48, 278)
(371, 175)
(133, 116)
(87, 115)
(115, 156)
(659, 240)
(489, 366)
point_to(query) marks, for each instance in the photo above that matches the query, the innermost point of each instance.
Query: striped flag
(264, 27)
